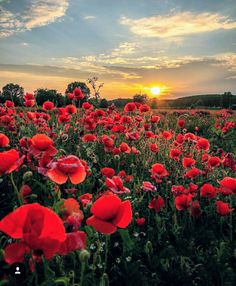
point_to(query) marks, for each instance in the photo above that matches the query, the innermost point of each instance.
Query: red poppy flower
(207, 191)
(9, 104)
(77, 94)
(10, 161)
(48, 105)
(144, 108)
(70, 206)
(116, 185)
(67, 166)
(124, 147)
(85, 199)
(175, 153)
(222, 208)
(157, 204)
(42, 143)
(140, 221)
(203, 144)
(74, 241)
(28, 96)
(39, 229)
(193, 173)
(148, 187)
(180, 123)
(167, 135)
(129, 107)
(108, 172)
(29, 103)
(183, 201)
(86, 105)
(228, 185)
(188, 162)
(155, 118)
(4, 140)
(89, 138)
(214, 161)
(71, 109)
(158, 171)
(153, 147)
(109, 212)
(195, 209)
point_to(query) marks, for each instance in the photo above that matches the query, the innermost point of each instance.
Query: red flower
(29, 103)
(182, 202)
(153, 148)
(74, 241)
(42, 143)
(77, 94)
(222, 208)
(86, 105)
(207, 191)
(108, 172)
(167, 135)
(67, 166)
(175, 153)
(129, 107)
(157, 204)
(155, 118)
(214, 161)
(85, 199)
(144, 108)
(116, 185)
(28, 96)
(124, 147)
(158, 171)
(140, 221)
(203, 144)
(195, 209)
(188, 162)
(10, 161)
(48, 105)
(39, 229)
(89, 138)
(193, 173)
(228, 185)
(71, 109)
(148, 187)
(9, 104)
(109, 212)
(4, 140)
(180, 123)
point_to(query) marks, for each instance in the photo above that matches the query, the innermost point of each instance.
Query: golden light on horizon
(156, 90)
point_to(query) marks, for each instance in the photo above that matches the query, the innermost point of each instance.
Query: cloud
(178, 25)
(36, 13)
(89, 17)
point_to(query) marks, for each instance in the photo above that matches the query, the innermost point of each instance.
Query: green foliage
(13, 92)
(42, 95)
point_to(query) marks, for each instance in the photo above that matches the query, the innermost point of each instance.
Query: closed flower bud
(84, 256)
(27, 175)
(104, 280)
(148, 248)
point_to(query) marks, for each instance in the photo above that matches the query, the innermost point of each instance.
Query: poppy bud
(104, 280)
(27, 175)
(148, 248)
(84, 256)
(117, 157)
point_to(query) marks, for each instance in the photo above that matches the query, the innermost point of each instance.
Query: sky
(183, 47)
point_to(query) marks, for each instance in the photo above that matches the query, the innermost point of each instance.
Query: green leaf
(128, 244)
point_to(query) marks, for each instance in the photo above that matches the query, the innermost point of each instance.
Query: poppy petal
(124, 215)
(79, 176)
(57, 176)
(106, 207)
(14, 252)
(74, 241)
(100, 225)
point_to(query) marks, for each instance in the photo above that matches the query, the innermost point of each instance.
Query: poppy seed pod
(27, 175)
(148, 248)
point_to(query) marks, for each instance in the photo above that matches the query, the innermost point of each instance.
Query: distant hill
(193, 101)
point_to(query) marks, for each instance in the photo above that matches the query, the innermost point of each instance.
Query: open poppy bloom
(116, 185)
(4, 140)
(158, 171)
(74, 241)
(228, 185)
(10, 161)
(222, 208)
(109, 212)
(67, 166)
(157, 204)
(39, 228)
(42, 143)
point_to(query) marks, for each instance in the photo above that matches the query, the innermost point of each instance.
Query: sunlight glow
(156, 90)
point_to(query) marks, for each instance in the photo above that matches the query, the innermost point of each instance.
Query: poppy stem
(106, 252)
(19, 199)
(82, 273)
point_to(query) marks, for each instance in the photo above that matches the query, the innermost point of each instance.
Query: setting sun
(156, 90)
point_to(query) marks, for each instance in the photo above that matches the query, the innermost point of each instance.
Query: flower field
(102, 197)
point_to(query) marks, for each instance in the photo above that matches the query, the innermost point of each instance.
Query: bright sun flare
(156, 90)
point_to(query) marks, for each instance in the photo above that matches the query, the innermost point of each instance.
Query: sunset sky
(183, 47)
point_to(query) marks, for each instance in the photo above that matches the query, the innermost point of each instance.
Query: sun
(156, 90)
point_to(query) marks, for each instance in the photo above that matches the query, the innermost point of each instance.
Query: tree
(139, 97)
(84, 88)
(226, 99)
(104, 103)
(52, 95)
(13, 92)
